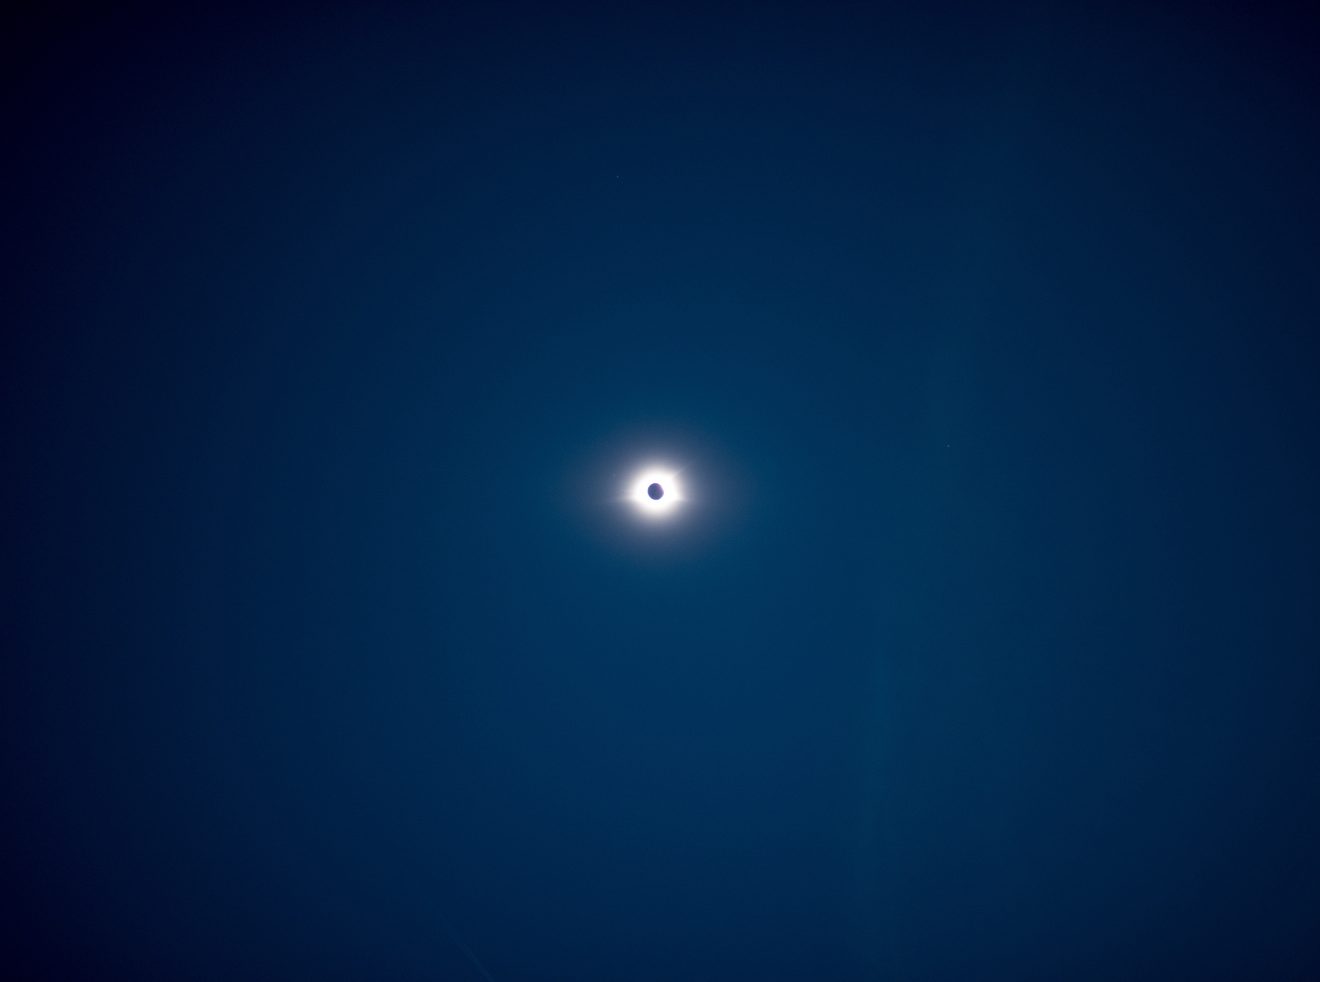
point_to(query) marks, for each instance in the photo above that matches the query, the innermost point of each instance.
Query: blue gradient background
(988, 649)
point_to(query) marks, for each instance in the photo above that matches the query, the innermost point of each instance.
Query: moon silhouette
(656, 492)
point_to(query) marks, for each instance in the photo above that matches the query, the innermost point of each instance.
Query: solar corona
(655, 493)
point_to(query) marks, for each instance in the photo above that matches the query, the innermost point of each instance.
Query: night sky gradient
(986, 646)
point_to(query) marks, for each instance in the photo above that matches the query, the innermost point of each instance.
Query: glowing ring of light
(650, 507)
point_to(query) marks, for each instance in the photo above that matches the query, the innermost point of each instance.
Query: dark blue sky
(986, 647)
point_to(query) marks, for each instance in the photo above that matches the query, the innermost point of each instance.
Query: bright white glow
(650, 507)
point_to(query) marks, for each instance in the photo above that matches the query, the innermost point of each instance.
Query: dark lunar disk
(656, 492)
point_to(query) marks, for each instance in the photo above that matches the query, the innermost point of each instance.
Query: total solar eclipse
(655, 492)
